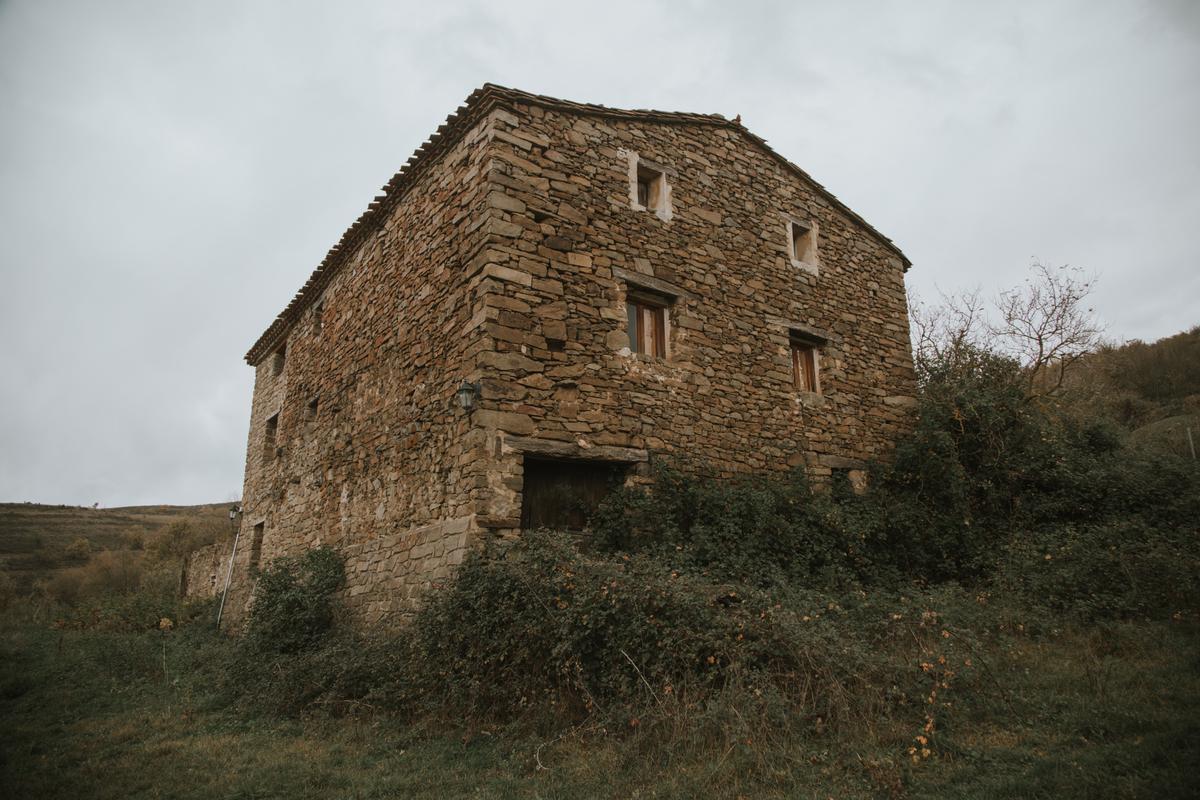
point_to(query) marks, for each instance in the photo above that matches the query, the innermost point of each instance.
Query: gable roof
(475, 107)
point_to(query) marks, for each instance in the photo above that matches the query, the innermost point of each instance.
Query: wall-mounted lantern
(467, 395)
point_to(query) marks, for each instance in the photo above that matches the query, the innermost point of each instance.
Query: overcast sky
(170, 172)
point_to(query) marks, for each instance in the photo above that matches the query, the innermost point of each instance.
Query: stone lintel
(494, 522)
(651, 283)
(841, 462)
(821, 336)
(665, 169)
(528, 445)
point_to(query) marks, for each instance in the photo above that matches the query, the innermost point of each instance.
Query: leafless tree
(1047, 325)
(947, 331)
(1044, 324)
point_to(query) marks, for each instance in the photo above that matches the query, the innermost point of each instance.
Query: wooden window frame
(652, 179)
(647, 320)
(806, 355)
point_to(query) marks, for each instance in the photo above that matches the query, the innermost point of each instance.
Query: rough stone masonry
(548, 288)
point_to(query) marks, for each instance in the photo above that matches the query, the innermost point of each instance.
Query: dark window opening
(647, 319)
(563, 495)
(847, 481)
(278, 359)
(839, 483)
(256, 546)
(312, 407)
(318, 319)
(556, 345)
(271, 434)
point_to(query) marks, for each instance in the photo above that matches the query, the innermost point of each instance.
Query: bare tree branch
(1044, 324)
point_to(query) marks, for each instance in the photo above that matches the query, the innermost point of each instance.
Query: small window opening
(647, 320)
(318, 318)
(650, 184)
(278, 360)
(804, 365)
(556, 345)
(272, 432)
(846, 481)
(803, 242)
(312, 407)
(256, 546)
(839, 483)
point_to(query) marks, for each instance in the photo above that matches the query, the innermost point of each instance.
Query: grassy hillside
(1151, 389)
(1011, 610)
(1046, 709)
(36, 540)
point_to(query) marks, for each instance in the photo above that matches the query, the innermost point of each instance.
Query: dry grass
(38, 542)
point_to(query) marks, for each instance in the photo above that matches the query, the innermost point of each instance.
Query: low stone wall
(204, 570)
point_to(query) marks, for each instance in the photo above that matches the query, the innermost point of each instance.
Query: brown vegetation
(65, 549)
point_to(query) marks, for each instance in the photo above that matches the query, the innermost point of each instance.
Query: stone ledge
(555, 449)
(497, 522)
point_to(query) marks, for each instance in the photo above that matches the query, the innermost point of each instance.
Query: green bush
(761, 530)
(984, 461)
(293, 606)
(1116, 569)
(541, 625)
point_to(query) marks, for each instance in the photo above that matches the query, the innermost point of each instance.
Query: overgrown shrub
(541, 625)
(293, 604)
(1114, 569)
(760, 530)
(109, 573)
(79, 549)
(986, 466)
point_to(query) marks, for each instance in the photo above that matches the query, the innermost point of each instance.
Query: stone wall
(204, 571)
(370, 447)
(574, 243)
(507, 262)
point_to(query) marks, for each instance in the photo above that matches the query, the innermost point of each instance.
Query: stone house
(547, 295)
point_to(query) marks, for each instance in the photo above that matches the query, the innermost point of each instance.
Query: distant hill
(36, 540)
(1152, 389)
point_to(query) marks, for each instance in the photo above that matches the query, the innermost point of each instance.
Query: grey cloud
(170, 173)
